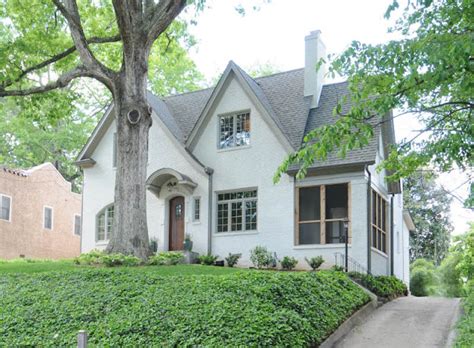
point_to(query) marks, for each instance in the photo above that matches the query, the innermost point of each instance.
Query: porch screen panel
(309, 216)
(336, 212)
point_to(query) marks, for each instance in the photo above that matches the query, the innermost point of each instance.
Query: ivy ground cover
(120, 307)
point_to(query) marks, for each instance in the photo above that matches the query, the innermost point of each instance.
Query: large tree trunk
(133, 118)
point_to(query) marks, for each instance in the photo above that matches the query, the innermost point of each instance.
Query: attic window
(234, 130)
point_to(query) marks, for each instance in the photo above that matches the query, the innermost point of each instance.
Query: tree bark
(130, 232)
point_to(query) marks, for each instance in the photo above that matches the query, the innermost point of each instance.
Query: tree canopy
(427, 73)
(54, 126)
(429, 206)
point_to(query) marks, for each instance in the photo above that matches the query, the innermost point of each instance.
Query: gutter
(209, 171)
(369, 208)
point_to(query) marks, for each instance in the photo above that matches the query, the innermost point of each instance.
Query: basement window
(234, 130)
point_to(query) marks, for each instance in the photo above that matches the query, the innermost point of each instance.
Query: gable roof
(282, 98)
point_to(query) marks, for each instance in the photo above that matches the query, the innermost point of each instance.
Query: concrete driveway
(407, 322)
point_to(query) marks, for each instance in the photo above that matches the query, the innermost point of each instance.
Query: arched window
(105, 223)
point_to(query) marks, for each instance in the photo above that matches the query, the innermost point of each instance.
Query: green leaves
(123, 308)
(427, 74)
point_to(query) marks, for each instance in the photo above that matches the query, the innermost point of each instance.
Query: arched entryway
(176, 223)
(172, 190)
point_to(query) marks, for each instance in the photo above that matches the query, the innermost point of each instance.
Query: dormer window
(234, 130)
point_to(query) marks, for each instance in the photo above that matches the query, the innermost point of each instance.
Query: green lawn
(38, 266)
(46, 303)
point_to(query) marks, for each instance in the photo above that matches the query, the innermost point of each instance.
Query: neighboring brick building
(40, 217)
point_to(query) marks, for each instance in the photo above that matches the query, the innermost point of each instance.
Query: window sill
(229, 234)
(102, 243)
(320, 246)
(196, 222)
(234, 148)
(381, 253)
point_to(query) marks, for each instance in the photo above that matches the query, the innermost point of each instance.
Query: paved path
(407, 322)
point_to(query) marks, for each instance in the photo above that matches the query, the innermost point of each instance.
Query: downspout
(369, 232)
(209, 171)
(391, 234)
(82, 214)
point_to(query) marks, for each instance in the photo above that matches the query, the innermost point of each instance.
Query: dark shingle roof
(282, 96)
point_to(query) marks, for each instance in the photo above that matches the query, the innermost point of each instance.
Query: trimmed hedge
(388, 287)
(124, 308)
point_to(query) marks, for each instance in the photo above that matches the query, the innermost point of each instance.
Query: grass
(46, 303)
(41, 266)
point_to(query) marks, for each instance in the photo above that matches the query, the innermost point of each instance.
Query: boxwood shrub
(124, 308)
(387, 287)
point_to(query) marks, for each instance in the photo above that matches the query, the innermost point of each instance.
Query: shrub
(101, 258)
(166, 258)
(117, 259)
(465, 326)
(422, 278)
(232, 259)
(449, 277)
(387, 287)
(315, 262)
(261, 257)
(94, 257)
(255, 309)
(207, 259)
(337, 268)
(288, 263)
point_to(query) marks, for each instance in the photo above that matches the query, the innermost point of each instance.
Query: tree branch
(57, 57)
(70, 11)
(61, 82)
(160, 17)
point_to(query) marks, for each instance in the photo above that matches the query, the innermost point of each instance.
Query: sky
(275, 35)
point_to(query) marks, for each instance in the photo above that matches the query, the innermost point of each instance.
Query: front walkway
(407, 322)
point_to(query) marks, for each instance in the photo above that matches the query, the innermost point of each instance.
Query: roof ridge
(207, 88)
(277, 73)
(184, 93)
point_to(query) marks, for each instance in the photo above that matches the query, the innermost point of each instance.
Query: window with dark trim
(237, 211)
(5, 207)
(197, 209)
(77, 225)
(322, 214)
(234, 130)
(105, 223)
(48, 218)
(379, 223)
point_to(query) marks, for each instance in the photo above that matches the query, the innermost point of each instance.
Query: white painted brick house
(212, 157)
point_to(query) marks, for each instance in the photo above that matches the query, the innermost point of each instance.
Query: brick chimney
(313, 80)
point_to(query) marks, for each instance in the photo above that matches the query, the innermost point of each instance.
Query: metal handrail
(349, 264)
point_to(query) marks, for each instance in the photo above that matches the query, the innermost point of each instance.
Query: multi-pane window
(197, 209)
(234, 130)
(77, 225)
(379, 221)
(237, 211)
(322, 214)
(105, 222)
(48, 218)
(5, 207)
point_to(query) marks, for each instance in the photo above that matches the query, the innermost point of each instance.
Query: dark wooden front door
(176, 237)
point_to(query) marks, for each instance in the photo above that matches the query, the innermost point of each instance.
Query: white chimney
(313, 80)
